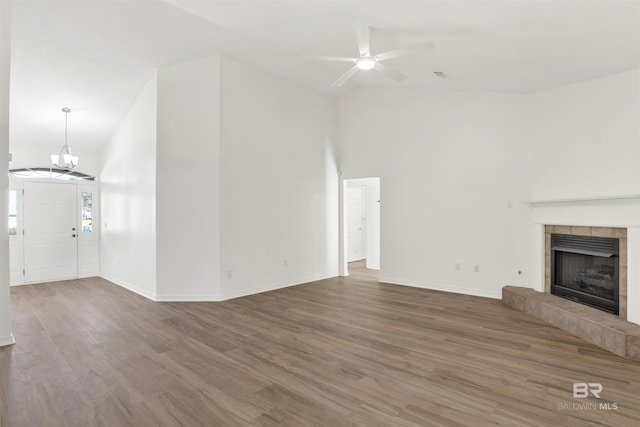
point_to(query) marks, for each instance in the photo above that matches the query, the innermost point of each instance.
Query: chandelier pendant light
(64, 159)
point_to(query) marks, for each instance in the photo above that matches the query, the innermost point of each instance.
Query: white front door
(50, 232)
(356, 196)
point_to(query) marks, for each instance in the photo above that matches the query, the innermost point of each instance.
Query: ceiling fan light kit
(366, 61)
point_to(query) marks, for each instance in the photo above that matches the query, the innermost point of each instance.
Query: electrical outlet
(509, 204)
(285, 263)
(476, 268)
(457, 266)
(229, 274)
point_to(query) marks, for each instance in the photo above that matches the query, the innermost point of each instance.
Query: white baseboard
(130, 287)
(7, 340)
(187, 298)
(272, 287)
(213, 298)
(52, 281)
(440, 287)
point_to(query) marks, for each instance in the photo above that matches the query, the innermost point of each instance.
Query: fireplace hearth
(585, 269)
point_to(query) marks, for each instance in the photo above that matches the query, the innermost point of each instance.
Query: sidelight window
(87, 212)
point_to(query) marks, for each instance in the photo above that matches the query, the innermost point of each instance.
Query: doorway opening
(362, 227)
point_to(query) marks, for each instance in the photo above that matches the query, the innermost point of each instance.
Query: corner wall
(188, 169)
(128, 198)
(237, 192)
(278, 182)
(6, 337)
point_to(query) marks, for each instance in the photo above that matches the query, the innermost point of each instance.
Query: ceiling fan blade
(423, 47)
(362, 36)
(390, 72)
(346, 76)
(328, 58)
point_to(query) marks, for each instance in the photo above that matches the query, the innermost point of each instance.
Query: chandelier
(64, 159)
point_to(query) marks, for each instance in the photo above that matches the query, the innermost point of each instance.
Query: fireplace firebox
(585, 269)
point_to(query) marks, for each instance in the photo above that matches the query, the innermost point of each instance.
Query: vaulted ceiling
(95, 56)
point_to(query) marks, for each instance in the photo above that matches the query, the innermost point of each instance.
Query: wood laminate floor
(338, 352)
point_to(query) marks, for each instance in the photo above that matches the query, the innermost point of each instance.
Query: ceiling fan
(367, 61)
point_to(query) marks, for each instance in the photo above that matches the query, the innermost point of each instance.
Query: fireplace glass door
(588, 275)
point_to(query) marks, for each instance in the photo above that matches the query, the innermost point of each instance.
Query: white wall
(451, 164)
(278, 182)
(5, 54)
(585, 139)
(373, 223)
(128, 198)
(449, 167)
(188, 169)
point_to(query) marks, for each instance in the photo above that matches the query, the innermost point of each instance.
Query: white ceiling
(95, 56)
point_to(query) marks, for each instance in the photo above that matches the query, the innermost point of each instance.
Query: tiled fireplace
(607, 216)
(614, 218)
